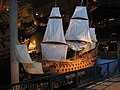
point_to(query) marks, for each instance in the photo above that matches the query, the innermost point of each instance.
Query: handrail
(70, 80)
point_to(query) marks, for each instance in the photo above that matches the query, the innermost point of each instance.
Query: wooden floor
(112, 83)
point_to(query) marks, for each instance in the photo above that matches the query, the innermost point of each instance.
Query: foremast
(54, 47)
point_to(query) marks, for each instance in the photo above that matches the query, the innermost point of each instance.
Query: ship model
(75, 50)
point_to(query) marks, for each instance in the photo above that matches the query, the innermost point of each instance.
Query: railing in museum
(70, 80)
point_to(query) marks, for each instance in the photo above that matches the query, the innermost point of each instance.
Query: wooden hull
(85, 60)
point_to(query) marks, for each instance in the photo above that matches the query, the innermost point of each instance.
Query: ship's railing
(70, 80)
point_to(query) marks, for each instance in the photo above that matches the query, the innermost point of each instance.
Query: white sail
(87, 48)
(93, 38)
(93, 35)
(23, 57)
(54, 33)
(54, 52)
(22, 54)
(55, 12)
(76, 46)
(81, 12)
(78, 29)
(93, 45)
(33, 68)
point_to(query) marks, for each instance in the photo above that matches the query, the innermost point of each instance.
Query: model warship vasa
(61, 53)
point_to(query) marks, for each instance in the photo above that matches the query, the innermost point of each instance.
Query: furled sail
(54, 47)
(76, 46)
(78, 29)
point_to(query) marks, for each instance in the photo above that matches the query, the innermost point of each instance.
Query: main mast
(78, 29)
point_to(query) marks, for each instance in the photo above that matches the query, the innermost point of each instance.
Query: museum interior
(32, 21)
